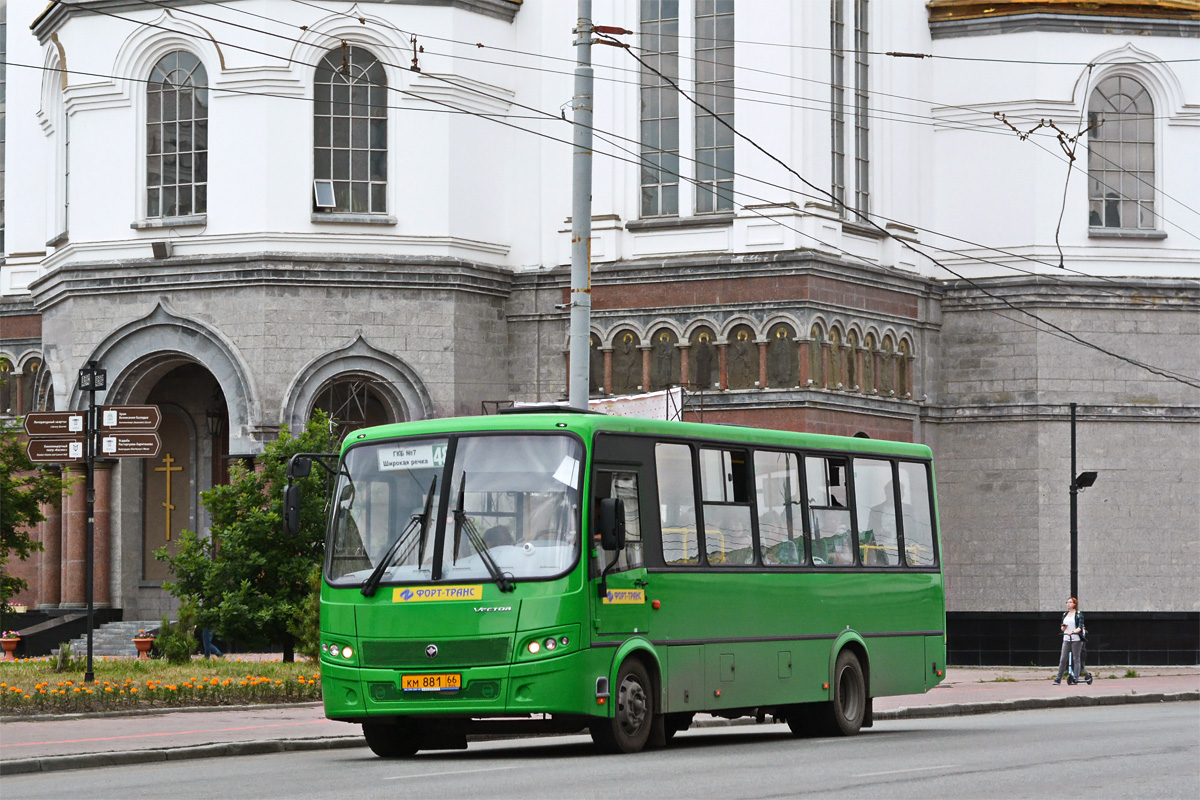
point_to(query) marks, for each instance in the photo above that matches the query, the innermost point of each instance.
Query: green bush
(177, 641)
(306, 626)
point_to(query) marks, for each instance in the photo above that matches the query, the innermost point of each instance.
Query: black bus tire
(633, 712)
(844, 714)
(390, 740)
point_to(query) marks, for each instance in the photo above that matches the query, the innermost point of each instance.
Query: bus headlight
(534, 648)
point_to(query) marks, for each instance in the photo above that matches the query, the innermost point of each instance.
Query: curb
(27, 766)
(152, 712)
(1026, 704)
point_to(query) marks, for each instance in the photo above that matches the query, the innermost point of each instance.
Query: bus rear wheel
(844, 715)
(389, 740)
(633, 712)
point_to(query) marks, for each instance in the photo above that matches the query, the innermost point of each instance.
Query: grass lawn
(33, 686)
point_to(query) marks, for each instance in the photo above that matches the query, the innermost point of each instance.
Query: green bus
(560, 571)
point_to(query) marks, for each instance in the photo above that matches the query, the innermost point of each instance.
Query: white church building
(942, 222)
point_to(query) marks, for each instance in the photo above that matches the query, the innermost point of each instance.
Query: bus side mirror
(299, 467)
(611, 523)
(291, 509)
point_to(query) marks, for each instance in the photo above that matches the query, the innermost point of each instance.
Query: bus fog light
(333, 649)
(347, 652)
(551, 644)
(564, 641)
(534, 647)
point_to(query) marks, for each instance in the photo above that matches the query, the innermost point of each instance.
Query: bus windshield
(513, 500)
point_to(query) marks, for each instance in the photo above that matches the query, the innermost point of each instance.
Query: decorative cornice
(1057, 412)
(945, 10)
(59, 11)
(237, 273)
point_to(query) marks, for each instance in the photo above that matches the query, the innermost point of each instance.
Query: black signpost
(91, 379)
(67, 437)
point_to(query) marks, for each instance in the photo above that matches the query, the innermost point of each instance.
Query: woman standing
(1072, 631)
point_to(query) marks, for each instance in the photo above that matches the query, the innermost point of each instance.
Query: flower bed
(33, 686)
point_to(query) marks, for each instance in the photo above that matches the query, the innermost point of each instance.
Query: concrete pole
(581, 212)
(1074, 513)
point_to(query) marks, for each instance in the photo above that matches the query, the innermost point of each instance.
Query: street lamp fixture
(1085, 479)
(212, 417)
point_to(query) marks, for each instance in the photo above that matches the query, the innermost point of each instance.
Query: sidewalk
(55, 743)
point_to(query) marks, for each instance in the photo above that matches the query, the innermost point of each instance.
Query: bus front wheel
(844, 715)
(389, 740)
(633, 713)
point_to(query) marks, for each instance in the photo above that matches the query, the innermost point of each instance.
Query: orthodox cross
(167, 504)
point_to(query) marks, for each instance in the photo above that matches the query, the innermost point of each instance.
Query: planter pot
(143, 646)
(9, 646)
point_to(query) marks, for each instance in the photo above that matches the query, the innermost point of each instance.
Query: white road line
(900, 771)
(441, 774)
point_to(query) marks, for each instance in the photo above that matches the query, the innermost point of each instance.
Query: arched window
(350, 133)
(352, 403)
(177, 137)
(1121, 155)
(8, 389)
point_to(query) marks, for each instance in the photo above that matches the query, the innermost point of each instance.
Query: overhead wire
(974, 284)
(741, 135)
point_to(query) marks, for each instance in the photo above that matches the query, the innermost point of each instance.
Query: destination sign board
(54, 423)
(55, 451)
(130, 445)
(130, 418)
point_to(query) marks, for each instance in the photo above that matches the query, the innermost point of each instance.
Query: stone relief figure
(703, 366)
(665, 361)
(627, 364)
(783, 371)
(595, 367)
(742, 364)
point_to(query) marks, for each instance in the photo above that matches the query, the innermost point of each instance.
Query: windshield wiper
(463, 522)
(418, 520)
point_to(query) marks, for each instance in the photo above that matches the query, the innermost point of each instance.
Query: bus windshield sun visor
(463, 523)
(418, 522)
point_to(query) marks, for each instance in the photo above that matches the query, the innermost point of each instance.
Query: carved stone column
(608, 351)
(722, 362)
(684, 377)
(645, 387)
(805, 373)
(50, 576)
(762, 364)
(74, 539)
(102, 536)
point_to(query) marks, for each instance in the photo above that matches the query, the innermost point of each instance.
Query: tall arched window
(1121, 155)
(177, 137)
(350, 133)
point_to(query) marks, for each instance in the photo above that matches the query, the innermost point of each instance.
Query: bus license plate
(442, 682)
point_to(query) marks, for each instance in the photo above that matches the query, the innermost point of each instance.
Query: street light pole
(1079, 482)
(1074, 514)
(581, 213)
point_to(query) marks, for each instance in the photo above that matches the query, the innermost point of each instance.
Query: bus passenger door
(624, 607)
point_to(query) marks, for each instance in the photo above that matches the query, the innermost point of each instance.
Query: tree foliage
(23, 489)
(248, 579)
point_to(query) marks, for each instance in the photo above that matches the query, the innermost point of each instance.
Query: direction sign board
(130, 418)
(134, 445)
(55, 451)
(54, 423)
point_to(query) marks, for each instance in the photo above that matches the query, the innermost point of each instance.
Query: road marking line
(441, 774)
(899, 771)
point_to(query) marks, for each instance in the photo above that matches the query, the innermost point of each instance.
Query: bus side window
(875, 505)
(777, 492)
(623, 485)
(677, 503)
(725, 487)
(832, 537)
(916, 510)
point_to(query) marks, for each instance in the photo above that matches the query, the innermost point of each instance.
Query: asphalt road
(1135, 751)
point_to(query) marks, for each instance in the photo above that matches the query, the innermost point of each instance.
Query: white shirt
(1069, 622)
